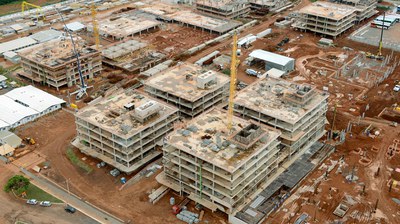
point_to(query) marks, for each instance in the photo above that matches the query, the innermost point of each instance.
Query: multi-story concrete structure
(272, 5)
(220, 168)
(297, 110)
(54, 64)
(326, 18)
(123, 130)
(364, 8)
(224, 8)
(189, 87)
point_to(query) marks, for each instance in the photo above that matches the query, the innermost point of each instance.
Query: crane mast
(95, 27)
(232, 87)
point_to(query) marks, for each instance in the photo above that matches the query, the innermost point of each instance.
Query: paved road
(63, 195)
(14, 209)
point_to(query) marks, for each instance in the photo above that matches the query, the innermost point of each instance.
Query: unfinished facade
(123, 130)
(364, 8)
(272, 5)
(189, 87)
(217, 167)
(131, 56)
(325, 18)
(54, 64)
(123, 27)
(297, 110)
(229, 9)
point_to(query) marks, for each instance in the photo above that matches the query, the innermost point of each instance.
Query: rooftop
(329, 10)
(12, 112)
(207, 137)
(271, 57)
(46, 35)
(222, 4)
(126, 113)
(123, 27)
(182, 80)
(278, 98)
(123, 48)
(55, 52)
(16, 44)
(34, 98)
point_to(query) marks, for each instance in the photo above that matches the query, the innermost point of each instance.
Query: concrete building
(54, 64)
(364, 8)
(273, 60)
(326, 18)
(229, 9)
(189, 87)
(124, 130)
(11, 56)
(46, 35)
(272, 5)
(297, 110)
(25, 104)
(219, 168)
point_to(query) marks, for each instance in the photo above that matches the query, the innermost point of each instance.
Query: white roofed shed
(273, 60)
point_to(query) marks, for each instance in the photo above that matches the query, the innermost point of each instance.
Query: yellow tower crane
(95, 27)
(232, 88)
(26, 5)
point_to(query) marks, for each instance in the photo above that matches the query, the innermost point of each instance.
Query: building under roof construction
(189, 87)
(54, 64)
(219, 168)
(224, 8)
(297, 110)
(123, 130)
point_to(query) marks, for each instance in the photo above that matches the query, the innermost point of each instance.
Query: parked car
(396, 88)
(70, 209)
(45, 203)
(115, 172)
(252, 72)
(32, 201)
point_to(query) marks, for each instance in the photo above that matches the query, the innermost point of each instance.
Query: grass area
(76, 161)
(15, 6)
(40, 195)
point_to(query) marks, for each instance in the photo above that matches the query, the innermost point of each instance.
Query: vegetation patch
(77, 162)
(34, 192)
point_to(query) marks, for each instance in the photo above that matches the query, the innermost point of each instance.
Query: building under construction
(54, 64)
(219, 168)
(271, 5)
(364, 8)
(229, 9)
(326, 18)
(123, 130)
(189, 87)
(297, 110)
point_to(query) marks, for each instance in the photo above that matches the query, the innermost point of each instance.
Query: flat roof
(216, 148)
(123, 27)
(16, 44)
(75, 26)
(266, 96)
(10, 138)
(275, 73)
(34, 98)
(328, 10)
(271, 57)
(55, 52)
(222, 4)
(111, 115)
(122, 48)
(46, 35)
(173, 81)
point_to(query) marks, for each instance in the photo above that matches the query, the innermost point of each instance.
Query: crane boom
(232, 87)
(95, 27)
(25, 5)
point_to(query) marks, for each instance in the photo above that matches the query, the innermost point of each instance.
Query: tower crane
(39, 13)
(83, 87)
(95, 27)
(232, 87)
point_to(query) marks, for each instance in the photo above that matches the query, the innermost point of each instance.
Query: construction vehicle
(379, 55)
(83, 87)
(232, 87)
(176, 209)
(29, 141)
(39, 13)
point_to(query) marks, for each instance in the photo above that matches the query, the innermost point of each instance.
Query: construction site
(240, 112)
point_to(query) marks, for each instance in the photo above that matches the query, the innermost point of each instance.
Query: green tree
(17, 183)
